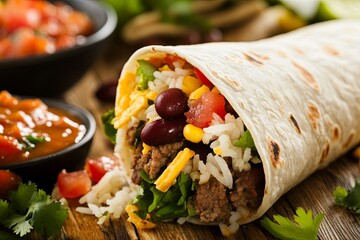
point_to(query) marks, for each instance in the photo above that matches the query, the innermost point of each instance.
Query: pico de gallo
(30, 129)
(29, 27)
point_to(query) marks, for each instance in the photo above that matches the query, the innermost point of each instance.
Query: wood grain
(314, 193)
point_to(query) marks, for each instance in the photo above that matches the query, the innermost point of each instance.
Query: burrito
(215, 133)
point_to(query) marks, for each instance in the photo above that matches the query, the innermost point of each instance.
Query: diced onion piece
(168, 177)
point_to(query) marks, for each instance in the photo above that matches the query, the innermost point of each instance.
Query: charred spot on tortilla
(299, 51)
(274, 149)
(263, 57)
(295, 123)
(282, 54)
(252, 59)
(313, 115)
(234, 84)
(349, 140)
(325, 151)
(307, 76)
(331, 50)
(336, 133)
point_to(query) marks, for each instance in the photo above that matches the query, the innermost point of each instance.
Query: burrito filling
(192, 155)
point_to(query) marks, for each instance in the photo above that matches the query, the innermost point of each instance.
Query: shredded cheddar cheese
(151, 95)
(136, 220)
(146, 149)
(168, 177)
(135, 102)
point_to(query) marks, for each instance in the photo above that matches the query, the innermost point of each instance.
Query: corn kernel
(164, 68)
(146, 149)
(192, 133)
(151, 95)
(215, 90)
(199, 92)
(218, 150)
(190, 84)
(136, 220)
(168, 177)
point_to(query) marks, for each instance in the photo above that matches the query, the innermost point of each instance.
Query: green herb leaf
(245, 141)
(4, 210)
(41, 222)
(146, 177)
(35, 139)
(145, 71)
(349, 199)
(108, 127)
(169, 205)
(304, 228)
(30, 208)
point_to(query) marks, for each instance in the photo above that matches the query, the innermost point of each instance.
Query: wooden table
(315, 193)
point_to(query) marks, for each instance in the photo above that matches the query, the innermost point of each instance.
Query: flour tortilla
(297, 93)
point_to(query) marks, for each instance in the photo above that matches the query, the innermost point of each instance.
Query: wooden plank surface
(314, 193)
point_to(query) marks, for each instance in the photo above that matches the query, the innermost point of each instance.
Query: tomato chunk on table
(73, 184)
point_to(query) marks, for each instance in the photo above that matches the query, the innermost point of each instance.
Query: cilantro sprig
(30, 209)
(349, 199)
(304, 228)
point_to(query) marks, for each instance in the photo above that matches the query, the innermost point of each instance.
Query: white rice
(109, 196)
(169, 78)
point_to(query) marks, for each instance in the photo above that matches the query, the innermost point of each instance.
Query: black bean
(171, 103)
(160, 132)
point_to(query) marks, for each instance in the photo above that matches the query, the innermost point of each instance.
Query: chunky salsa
(30, 129)
(29, 27)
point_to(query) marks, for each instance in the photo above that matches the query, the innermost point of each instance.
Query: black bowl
(50, 75)
(44, 170)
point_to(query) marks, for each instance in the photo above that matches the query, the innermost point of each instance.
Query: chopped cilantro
(305, 228)
(29, 208)
(108, 127)
(145, 72)
(349, 199)
(29, 142)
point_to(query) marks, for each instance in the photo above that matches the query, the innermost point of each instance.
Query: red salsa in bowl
(30, 27)
(30, 129)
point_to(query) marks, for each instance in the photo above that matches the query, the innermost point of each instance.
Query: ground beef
(211, 203)
(160, 156)
(249, 188)
(154, 160)
(131, 135)
(137, 163)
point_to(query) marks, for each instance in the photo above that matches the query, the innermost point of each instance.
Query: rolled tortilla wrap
(297, 94)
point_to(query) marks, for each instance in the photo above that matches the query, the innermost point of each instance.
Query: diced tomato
(9, 181)
(8, 148)
(200, 113)
(73, 184)
(98, 167)
(203, 78)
